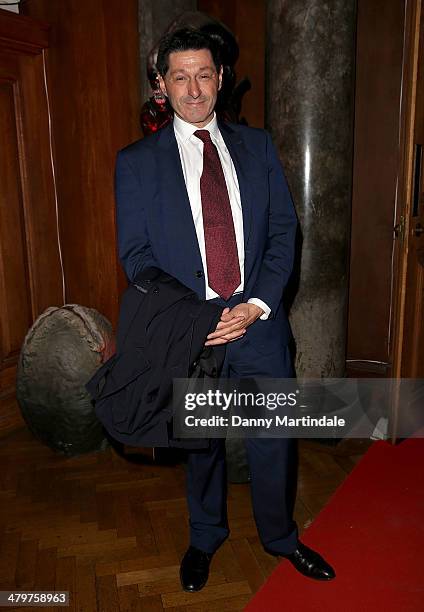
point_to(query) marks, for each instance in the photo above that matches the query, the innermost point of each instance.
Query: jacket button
(199, 273)
(155, 290)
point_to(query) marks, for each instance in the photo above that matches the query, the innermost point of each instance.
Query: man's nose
(193, 88)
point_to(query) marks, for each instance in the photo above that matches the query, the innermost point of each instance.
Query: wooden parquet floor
(112, 529)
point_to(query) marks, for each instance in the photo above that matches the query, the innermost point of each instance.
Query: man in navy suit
(208, 203)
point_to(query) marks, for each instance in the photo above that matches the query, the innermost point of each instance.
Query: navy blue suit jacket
(156, 228)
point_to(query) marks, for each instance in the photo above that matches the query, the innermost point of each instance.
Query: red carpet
(372, 532)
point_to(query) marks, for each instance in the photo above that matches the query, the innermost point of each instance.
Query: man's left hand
(250, 312)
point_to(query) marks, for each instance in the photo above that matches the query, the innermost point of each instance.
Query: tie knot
(204, 135)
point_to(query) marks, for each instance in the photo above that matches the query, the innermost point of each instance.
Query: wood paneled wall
(30, 271)
(93, 81)
(69, 99)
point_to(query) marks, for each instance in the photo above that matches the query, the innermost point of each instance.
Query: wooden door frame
(413, 15)
(23, 41)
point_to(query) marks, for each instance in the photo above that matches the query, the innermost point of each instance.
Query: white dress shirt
(191, 154)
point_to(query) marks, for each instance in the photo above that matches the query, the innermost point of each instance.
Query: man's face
(192, 84)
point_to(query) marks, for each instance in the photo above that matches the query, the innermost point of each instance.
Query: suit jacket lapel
(181, 225)
(242, 161)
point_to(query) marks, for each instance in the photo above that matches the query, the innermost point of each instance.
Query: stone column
(309, 105)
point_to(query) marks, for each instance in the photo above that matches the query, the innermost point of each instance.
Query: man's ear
(220, 78)
(162, 85)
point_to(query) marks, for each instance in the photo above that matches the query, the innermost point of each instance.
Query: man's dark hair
(185, 39)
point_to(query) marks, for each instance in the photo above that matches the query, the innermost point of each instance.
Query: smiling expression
(192, 84)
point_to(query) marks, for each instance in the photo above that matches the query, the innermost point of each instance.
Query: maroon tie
(220, 238)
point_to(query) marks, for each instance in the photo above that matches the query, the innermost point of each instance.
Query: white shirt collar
(184, 130)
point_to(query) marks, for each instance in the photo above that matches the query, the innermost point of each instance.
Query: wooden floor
(112, 529)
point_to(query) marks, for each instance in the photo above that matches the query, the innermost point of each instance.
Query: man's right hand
(230, 327)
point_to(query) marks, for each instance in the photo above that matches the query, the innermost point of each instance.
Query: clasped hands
(233, 323)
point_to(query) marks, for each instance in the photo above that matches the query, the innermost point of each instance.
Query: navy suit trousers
(272, 465)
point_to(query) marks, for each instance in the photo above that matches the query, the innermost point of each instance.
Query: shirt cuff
(261, 304)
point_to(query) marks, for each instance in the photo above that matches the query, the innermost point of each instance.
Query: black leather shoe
(310, 563)
(194, 570)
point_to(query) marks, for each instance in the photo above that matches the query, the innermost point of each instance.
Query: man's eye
(205, 76)
(179, 78)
